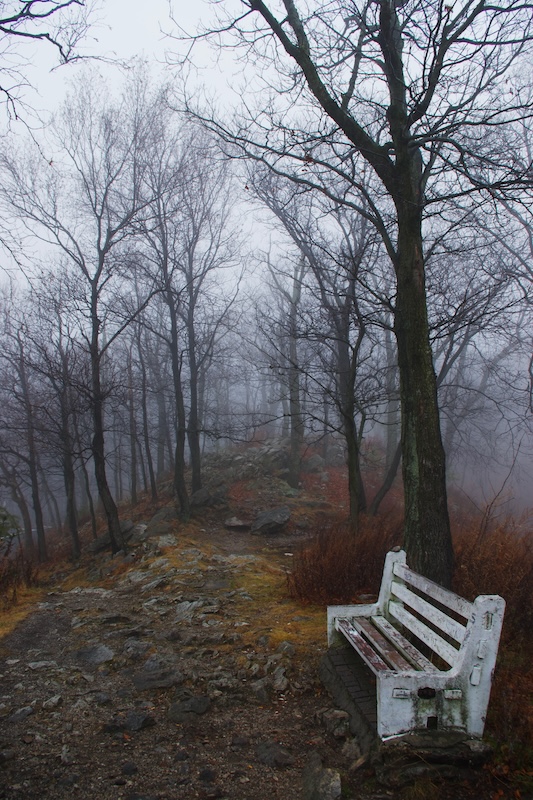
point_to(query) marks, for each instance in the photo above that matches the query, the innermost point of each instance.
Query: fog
(183, 276)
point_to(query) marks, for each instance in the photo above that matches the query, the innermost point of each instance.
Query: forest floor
(183, 669)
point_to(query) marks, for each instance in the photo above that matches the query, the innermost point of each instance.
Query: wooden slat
(422, 632)
(369, 656)
(441, 595)
(433, 615)
(417, 659)
(381, 644)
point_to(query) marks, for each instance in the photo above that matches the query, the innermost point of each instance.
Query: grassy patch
(272, 613)
(27, 598)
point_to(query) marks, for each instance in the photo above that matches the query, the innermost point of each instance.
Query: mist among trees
(342, 261)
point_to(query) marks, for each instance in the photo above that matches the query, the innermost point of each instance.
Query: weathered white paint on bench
(448, 685)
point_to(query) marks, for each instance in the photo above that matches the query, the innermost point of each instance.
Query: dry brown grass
(496, 557)
(17, 571)
(339, 566)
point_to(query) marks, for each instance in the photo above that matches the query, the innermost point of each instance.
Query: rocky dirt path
(146, 684)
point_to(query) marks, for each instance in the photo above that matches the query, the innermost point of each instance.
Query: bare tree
(415, 90)
(189, 243)
(85, 206)
(61, 24)
(20, 416)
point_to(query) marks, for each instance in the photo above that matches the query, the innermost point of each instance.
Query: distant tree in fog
(85, 205)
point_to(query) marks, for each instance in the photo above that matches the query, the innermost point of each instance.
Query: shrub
(340, 566)
(15, 568)
(498, 559)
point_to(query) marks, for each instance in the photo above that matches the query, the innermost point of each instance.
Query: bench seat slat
(422, 632)
(417, 659)
(443, 596)
(433, 615)
(369, 656)
(382, 645)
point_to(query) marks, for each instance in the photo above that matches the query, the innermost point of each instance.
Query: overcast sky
(126, 29)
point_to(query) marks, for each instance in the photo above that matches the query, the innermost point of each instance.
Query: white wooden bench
(432, 652)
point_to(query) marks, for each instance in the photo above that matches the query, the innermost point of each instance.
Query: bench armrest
(334, 612)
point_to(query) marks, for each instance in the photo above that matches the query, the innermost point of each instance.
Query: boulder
(313, 464)
(271, 521)
(320, 783)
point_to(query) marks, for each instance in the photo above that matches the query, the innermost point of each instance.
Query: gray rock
(320, 783)
(136, 649)
(335, 721)
(161, 523)
(21, 714)
(132, 721)
(95, 655)
(280, 682)
(185, 610)
(273, 755)
(40, 665)
(167, 540)
(287, 649)
(314, 464)
(271, 521)
(52, 702)
(202, 497)
(138, 534)
(160, 563)
(165, 514)
(189, 709)
(126, 527)
(157, 674)
(101, 699)
(261, 690)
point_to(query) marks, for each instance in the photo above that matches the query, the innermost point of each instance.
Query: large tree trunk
(98, 441)
(393, 408)
(146, 429)
(193, 432)
(42, 554)
(85, 473)
(295, 405)
(70, 492)
(347, 368)
(388, 480)
(104, 492)
(133, 436)
(180, 487)
(427, 527)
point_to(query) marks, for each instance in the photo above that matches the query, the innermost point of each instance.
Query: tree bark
(133, 435)
(98, 440)
(295, 405)
(42, 554)
(427, 536)
(146, 427)
(193, 432)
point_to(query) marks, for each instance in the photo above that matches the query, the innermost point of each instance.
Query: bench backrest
(445, 623)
